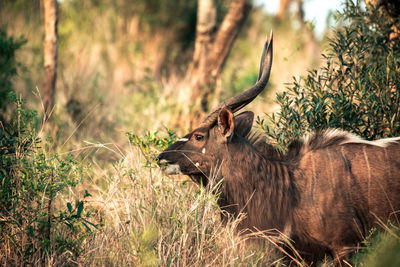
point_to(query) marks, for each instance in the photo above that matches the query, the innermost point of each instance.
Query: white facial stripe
(183, 140)
(203, 151)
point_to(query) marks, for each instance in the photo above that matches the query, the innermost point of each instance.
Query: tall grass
(149, 219)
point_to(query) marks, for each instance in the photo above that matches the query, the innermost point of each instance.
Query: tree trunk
(50, 54)
(205, 33)
(212, 48)
(312, 48)
(283, 9)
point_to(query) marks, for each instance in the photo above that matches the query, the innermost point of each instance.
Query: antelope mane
(337, 137)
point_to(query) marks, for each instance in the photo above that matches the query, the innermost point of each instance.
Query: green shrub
(357, 90)
(37, 224)
(8, 65)
(150, 144)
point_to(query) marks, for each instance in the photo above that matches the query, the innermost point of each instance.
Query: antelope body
(325, 194)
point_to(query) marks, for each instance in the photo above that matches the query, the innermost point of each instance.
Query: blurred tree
(311, 44)
(312, 47)
(212, 47)
(50, 54)
(205, 31)
(283, 8)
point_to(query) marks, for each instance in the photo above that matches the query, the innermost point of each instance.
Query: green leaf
(87, 194)
(80, 208)
(69, 206)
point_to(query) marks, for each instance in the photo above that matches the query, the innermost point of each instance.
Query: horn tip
(271, 36)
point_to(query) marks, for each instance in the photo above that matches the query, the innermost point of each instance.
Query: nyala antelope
(326, 193)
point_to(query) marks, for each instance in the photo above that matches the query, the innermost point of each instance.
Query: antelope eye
(198, 137)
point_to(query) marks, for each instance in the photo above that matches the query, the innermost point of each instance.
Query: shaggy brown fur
(326, 193)
(347, 185)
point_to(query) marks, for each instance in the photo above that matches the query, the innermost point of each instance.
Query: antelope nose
(161, 160)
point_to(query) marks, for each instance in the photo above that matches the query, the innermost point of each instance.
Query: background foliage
(357, 89)
(84, 192)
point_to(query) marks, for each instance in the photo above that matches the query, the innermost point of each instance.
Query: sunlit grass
(150, 219)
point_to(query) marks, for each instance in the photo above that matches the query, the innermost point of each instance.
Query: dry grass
(150, 219)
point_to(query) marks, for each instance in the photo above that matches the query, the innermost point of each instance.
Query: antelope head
(198, 153)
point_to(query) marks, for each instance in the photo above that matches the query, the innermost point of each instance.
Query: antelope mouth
(173, 169)
(169, 167)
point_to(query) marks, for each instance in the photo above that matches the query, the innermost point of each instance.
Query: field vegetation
(84, 189)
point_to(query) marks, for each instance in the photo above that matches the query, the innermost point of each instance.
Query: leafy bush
(36, 225)
(8, 65)
(150, 144)
(357, 90)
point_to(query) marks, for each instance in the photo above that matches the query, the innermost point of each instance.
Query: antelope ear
(243, 123)
(226, 122)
